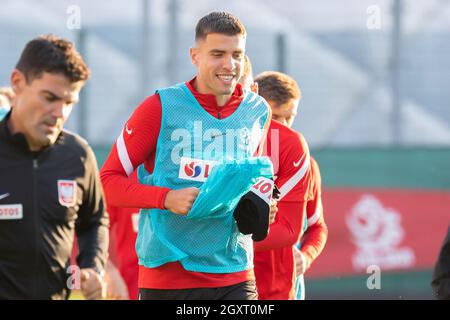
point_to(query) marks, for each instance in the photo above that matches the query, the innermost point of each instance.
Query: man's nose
(58, 110)
(228, 63)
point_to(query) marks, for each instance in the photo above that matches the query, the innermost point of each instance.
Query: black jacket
(441, 274)
(46, 197)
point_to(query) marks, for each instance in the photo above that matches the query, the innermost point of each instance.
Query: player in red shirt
(218, 61)
(277, 269)
(274, 257)
(315, 231)
(122, 273)
(314, 228)
(122, 268)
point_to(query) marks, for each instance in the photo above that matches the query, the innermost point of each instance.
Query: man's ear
(18, 81)
(254, 87)
(194, 52)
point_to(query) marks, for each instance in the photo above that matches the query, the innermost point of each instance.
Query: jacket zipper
(36, 224)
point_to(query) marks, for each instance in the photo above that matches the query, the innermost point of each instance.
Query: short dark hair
(277, 87)
(49, 53)
(219, 22)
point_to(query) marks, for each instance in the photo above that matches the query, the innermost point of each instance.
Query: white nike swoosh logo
(3, 196)
(127, 130)
(296, 164)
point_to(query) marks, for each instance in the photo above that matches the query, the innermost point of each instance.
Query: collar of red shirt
(209, 103)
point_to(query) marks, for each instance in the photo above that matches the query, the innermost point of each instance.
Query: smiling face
(42, 106)
(219, 60)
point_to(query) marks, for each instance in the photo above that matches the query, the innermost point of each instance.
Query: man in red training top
(178, 257)
(122, 267)
(314, 238)
(274, 257)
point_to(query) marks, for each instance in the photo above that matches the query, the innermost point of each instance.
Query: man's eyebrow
(223, 51)
(56, 97)
(216, 51)
(53, 95)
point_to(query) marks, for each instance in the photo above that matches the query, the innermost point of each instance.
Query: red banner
(393, 229)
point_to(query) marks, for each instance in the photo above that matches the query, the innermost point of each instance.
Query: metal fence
(372, 73)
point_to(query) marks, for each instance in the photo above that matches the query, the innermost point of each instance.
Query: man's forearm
(93, 247)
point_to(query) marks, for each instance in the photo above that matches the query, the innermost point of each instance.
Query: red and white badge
(11, 211)
(264, 188)
(67, 192)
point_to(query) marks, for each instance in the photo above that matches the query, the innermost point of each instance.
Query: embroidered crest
(67, 192)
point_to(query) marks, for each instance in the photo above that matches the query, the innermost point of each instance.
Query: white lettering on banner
(377, 232)
(195, 169)
(11, 211)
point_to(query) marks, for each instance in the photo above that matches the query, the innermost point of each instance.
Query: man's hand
(92, 285)
(116, 287)
(300, 262)
(180, 201)
(273, 211)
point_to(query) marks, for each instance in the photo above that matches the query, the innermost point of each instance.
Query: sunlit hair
(219, 22)
(277, 87)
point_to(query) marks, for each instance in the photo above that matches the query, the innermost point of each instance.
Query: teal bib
(191, 143)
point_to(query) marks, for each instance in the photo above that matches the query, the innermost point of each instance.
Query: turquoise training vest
(299, 286)
(190, 143)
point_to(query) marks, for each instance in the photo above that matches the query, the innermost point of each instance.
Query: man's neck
(14, 127)
(11, 124)
(221, 100)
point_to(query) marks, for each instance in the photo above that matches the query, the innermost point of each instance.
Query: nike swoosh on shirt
(3, 196)
(127, 130)
(296, 164)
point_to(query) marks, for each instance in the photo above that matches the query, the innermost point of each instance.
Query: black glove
(252, 214)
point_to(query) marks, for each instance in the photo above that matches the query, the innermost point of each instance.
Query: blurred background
(375, 80)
